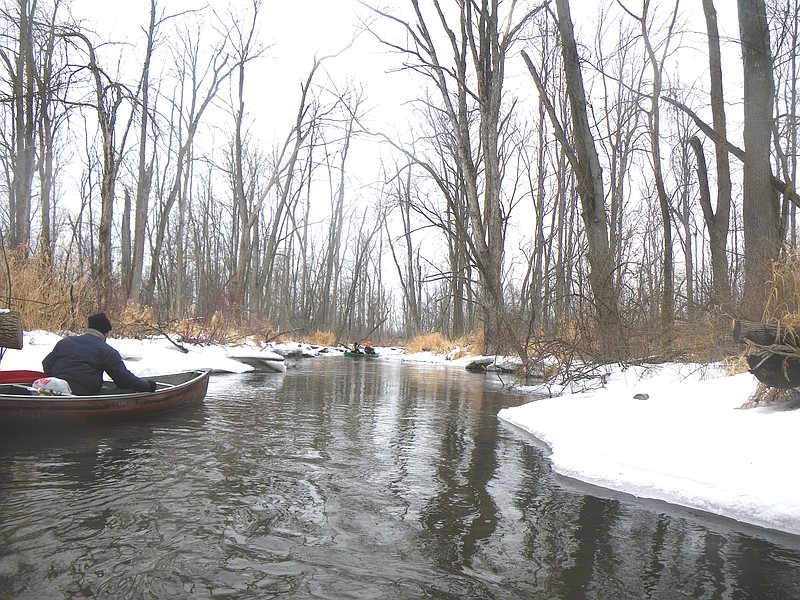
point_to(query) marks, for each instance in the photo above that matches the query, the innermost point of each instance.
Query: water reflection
(348, 479)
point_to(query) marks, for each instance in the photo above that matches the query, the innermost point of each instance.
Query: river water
(349, 479)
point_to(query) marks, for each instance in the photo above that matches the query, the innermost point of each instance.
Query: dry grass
(134, 321)
(429, 342)
(705, 339)
(784, 299)
(223, 328)
(765, 395)
(43, 300)
(735, 365)
(438, 344)
(321, 338)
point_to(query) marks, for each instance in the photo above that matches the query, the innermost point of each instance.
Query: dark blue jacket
(81, 361)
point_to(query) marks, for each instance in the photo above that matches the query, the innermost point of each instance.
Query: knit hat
(100, 322)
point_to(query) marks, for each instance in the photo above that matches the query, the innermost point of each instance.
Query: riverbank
(669, 432)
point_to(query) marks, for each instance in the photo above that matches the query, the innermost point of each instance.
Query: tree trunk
(11, 330)
(719, 225)
(24, 131)
(760, 205)
(654, 123)
(133, 277)
(776, 366)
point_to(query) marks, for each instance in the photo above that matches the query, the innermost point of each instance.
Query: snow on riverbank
(669, 432)
(684, 440)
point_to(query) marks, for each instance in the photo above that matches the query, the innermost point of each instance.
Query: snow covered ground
(688, 443)
(669, 432)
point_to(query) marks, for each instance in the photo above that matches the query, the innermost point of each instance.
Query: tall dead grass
(43, 299)
(438, 344)
(784, 299)
(321, 338)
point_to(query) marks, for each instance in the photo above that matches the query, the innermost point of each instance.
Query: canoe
(360, 355)
(21, 408)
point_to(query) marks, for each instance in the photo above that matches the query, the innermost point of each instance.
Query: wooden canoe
(21, 408)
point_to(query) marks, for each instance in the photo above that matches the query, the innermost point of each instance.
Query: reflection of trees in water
(593, 555)
(78, 457)
(582, 546)
(460, 512)
(434, 438)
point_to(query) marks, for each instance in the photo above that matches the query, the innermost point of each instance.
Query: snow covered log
(765, 334)
(479, 363)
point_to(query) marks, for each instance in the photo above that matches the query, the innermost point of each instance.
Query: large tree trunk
(777, 361)
(760, 204)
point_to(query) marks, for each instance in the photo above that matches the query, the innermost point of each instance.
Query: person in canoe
(355, 348)
(368, 349)
(81, 361)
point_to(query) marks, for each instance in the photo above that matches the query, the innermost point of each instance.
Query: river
(350, 479)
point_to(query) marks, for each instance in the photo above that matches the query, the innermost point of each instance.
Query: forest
(609, 180)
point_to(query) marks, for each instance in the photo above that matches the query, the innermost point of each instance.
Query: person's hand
(152, 386)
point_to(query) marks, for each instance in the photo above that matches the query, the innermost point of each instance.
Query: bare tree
(585, 163)
(51, 86)
(408, 269)
(109, 98)
(132, 276)
(201, 86)
(784, 18)
(657, 63)
(468, 75)
(717, 222)
(21, 68)
(245, 50)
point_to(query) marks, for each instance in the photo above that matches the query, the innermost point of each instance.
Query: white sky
(299, 30)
